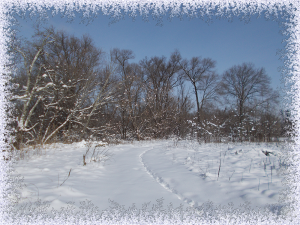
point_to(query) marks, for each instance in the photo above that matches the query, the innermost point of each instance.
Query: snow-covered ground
(182, 172)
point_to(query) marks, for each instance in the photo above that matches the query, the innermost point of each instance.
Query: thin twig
(67, 177)
(219, 169)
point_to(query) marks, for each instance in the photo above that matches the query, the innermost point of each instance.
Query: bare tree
(74, 65)
(244, 84)
(127, 76)
(199, 72)
(30, 95)
(135, 93)
(184, 106)
(65, 85)
(160, 79)
(208, 87)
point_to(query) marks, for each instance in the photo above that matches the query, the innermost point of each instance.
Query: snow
(47, 85)
(181, 172)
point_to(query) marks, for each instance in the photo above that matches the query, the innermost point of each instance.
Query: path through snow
(144, 172)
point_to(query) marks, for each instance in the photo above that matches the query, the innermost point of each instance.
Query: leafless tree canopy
(246, 84)
(243, 83)
(64, 88)
(199, 72)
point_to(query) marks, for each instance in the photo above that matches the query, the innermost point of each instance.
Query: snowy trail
(250, 171)
(192, 188)
(126, 181)
(189, 188)
(144, 172)
(123, 179)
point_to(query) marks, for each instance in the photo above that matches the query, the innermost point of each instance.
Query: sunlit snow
(179, 172)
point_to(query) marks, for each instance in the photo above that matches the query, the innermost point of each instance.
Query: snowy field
(182, 172)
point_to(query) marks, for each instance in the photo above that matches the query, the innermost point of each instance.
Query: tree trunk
(19, 140)
(198, 106)
(198, 111)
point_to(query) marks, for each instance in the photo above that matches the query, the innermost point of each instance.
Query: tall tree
(73, 65)
(62, 77)
(160, 79)
(184, 106)
(29, 92)
(199, 72)
(245, 83)
(127, 77)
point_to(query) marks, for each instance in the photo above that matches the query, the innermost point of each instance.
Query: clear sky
(228, 43)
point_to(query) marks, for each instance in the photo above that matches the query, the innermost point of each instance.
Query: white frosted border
(159, 8)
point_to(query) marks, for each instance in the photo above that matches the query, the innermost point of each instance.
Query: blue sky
(229, 43)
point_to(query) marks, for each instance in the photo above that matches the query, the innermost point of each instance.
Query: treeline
(64, 88)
